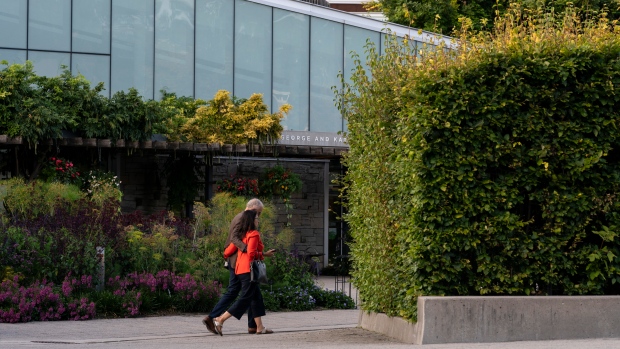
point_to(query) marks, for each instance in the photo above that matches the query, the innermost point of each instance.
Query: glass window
(13, 19)
(132, 46)
(355, 40)
(214, 47)
(49, 64)
(174, 47)
(91, 26)
(95, 68)
(252, 50)
(326, 57)
(12, 56)
(49, 25)
(291, 65)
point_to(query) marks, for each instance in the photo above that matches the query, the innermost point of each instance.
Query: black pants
(251, 298)
(234, 287)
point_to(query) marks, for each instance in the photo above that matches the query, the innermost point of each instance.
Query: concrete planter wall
(502, 319)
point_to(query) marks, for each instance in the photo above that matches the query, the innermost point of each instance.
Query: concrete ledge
(502, 319)
(395, 327)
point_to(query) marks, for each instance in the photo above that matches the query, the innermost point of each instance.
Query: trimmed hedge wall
(490, 169)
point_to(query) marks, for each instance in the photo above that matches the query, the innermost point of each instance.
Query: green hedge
(495, 167)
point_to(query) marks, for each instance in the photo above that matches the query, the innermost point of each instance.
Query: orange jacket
(254, 250)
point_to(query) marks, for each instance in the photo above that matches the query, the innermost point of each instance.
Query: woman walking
(251, 296)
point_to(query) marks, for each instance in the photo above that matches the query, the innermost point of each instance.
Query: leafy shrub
(331, 299)
(224, 121)
(287, 269)
(488, 169)
(42, 301)
(27, 201)
(279, 181)
(101, 186)
(60, 170)
(290, 297)
(163, 291)
(129, 296)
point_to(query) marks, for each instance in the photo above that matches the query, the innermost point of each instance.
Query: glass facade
(49, 25)
(91, 26)
(326, 60)
(214, 47)
(289, 52)
(133, 46)
(12, 56)
(13, 19)
(291, 67)
(253, 25)
(174, 47)
(95, 68)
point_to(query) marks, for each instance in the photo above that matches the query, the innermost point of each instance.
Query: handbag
(258, 271)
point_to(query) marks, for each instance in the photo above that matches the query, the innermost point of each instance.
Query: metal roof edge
(356, 20)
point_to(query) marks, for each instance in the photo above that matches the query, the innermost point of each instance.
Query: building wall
(144, 188)
(308, 213)
(289, 51)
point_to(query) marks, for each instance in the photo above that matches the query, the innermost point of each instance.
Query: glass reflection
(12, 56)
(174, 47)
(13, 19)
(95, 68)
(49, 25)
(214, 47)
(252, 50)
(49, 64)
(326, 57)
(132, 46)
(91, 26)
(291, 64)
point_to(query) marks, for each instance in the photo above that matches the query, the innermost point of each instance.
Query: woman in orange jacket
(251, 298)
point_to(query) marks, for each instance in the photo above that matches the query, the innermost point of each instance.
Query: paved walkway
(299, 330)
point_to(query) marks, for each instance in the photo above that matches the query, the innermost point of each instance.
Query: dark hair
(247, 223)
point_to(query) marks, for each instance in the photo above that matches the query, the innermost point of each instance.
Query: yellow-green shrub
(491, 168)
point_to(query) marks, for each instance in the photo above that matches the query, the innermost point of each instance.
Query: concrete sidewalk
(300, 330)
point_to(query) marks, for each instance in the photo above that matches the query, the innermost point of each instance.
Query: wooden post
(101, 271)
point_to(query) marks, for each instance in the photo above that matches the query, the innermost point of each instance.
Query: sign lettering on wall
(317, 139)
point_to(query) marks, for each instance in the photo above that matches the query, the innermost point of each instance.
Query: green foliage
(208, 262)
(235, 121)
(280, 182)
(331, 299)
(39, 108)
(489, 169)
(35, 198)
(179, 111)
(152, 252)
(447, 15)
(101, 186)
(60, 170)
(129, 117)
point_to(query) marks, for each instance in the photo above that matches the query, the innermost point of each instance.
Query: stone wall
(308, 205)
(144, 188)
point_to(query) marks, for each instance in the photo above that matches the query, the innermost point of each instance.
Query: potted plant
(278, 181)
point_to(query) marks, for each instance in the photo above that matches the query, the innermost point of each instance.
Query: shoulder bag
(258, 271)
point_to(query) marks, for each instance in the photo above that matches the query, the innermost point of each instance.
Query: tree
(443, 15)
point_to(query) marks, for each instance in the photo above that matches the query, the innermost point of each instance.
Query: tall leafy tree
(443, 15)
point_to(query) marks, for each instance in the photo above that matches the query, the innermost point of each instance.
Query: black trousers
(250, 299)
(234, 288)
